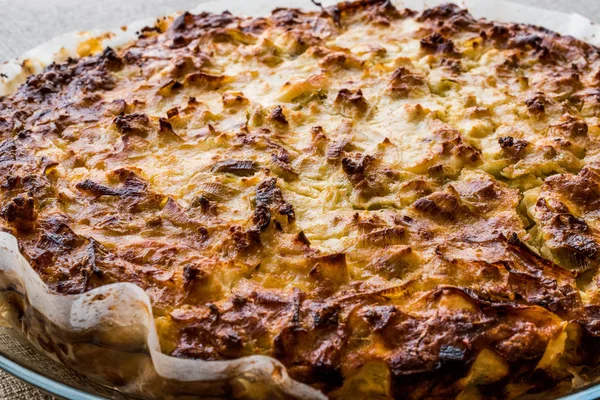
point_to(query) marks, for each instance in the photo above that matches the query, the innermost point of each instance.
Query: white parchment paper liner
(108, 333)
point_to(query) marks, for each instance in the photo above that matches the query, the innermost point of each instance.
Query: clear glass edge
(43, 383)
(65, 391)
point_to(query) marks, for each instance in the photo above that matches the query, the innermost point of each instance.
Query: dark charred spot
(438, 44)
(383, 12)
(511, 145)
(132, 186)
(205, 205)
(451, 353)
(277, 115)
(563, 82)
(335, 149)
(287, 16)
(571, 126)
(526, 42)
(111, 60)
(181, 65)
(97, 189)
(536, 104)
(318, 137)
(37, 186)
(172, 112)
(498, 32)
(191, 273)
(377, 11)
(182, 218)
(10, 183)
(205, 81)
(325, 315)
(269, 196)
(385, 237)
(335, 60)
(178, 41)
(355, 167)
(179, 24)
(335, 258)
(95, 252)
(6, 125)
(590, 174)
(568, 221)
(587, 96)
(58, 236)
(166, 130)
(245, 240)
(452, 144)
(454, 66)
(209, 20)
(449, 17)
(440, 206)
(583, 244)
(229, 342)
(402, 82)
(436, 171)
(281, 165)
(20, 212)
(379, 316)
(301, 237)
(133, 124)
(92, 75)
(352, 99)
(234, 99)
(8, 151)
(582, 189)
(236, 167)
(239, 301)
(510, 64)
(443, 11)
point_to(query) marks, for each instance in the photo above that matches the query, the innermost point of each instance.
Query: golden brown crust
(392, 204)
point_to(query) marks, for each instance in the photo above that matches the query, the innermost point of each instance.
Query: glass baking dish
(20, 359)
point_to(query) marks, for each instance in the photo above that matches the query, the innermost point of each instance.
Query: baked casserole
(392, 204)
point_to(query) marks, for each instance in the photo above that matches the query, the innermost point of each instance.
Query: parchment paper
(127, 307)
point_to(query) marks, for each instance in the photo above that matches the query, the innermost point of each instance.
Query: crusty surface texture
(392, 204)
